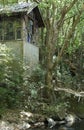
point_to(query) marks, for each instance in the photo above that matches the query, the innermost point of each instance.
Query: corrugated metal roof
(18, 7)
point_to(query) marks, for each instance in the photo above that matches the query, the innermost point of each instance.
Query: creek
(7, 126)
(77, 126)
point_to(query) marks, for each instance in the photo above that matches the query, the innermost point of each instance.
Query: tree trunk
(49, 65)
(53, 27)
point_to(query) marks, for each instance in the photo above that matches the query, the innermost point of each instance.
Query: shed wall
(31, 54)
(17, 48)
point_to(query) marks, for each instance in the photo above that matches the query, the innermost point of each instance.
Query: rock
(6, 126)
(27, 114)
(51, 122)
(24, 126)
(39, 124)
(12, 126)
(68, 121)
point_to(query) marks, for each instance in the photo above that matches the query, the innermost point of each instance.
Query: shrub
(11, 77)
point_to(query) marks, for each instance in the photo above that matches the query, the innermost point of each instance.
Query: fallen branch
(73, 92)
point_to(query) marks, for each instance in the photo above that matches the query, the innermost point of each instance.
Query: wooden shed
(19, 24)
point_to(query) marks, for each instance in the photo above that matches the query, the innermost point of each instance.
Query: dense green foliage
(61, 63)
(63, 43)
(11, 77)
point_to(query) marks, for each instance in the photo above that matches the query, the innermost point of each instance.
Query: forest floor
(20, 120)
(17, 119)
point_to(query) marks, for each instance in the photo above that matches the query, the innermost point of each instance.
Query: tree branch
(70, 91)
(67, 39)
(64, 11)
(69, 36)
(71, 5)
